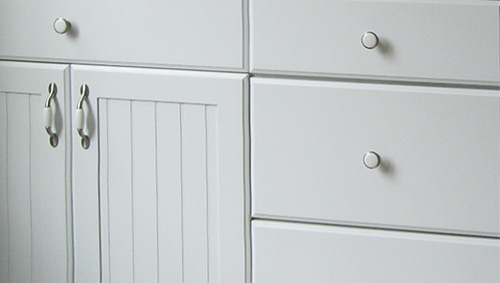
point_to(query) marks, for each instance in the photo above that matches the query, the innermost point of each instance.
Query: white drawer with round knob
(439, 41)
(185, 34)
(405, 157)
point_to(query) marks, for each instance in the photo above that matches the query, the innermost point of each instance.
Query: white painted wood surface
(168, 159)
(119, 189)
(35, 221)
(194, 193)
(169, 174)
(419, 40)
(144, 193)
(4, 209)
(439, 150)
(19, 188)
(191, 34)
(288, 252)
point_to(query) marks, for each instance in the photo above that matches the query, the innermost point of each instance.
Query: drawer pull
(80, 117)
(61, 25)
(371, 160)
(369, 40)
(48, 116)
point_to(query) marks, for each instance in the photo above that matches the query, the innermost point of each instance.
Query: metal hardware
(48, 117)
(80, 117)
(371, 160)
(61, 25)
(369, 40)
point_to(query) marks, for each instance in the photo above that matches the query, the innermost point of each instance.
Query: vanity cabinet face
(160, 190)
(35, 196)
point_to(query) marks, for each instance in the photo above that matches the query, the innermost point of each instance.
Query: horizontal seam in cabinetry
(207, 69)
(373, 227)
(277, 75)
(402, 82)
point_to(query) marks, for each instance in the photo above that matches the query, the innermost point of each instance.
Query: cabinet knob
(61, 25)
(369, 40)
(371, 160)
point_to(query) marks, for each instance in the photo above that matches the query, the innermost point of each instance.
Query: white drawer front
(422, 40)
(284, 252)
(439, 150)
(190, 34)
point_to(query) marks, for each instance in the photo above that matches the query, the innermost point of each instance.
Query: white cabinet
(437, 149)
(375, 141)
(174, 33)
(157, 191)
(417, 40)
(375, 124)
(292, 252)
(35, 191)
(158, 195)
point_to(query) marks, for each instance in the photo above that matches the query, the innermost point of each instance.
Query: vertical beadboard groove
(7, 184)
(107, 188)
(207, 193)
(30, 182)
(213, 203)
(105, 275)
(157, 196)
(132, 187)
(4, 204)
(182, 191)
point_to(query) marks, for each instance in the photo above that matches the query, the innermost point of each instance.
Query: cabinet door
(35, 227)
(159, 193)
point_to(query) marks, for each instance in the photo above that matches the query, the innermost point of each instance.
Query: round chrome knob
(61, 25)
(369, 40)
(371, 160)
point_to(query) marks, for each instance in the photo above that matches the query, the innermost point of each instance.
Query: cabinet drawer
(191, 34)
(438, 149)
(429, 40)
(285, 252)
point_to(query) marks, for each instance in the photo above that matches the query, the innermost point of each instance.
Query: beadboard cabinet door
(159, 193)
(35, 212)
